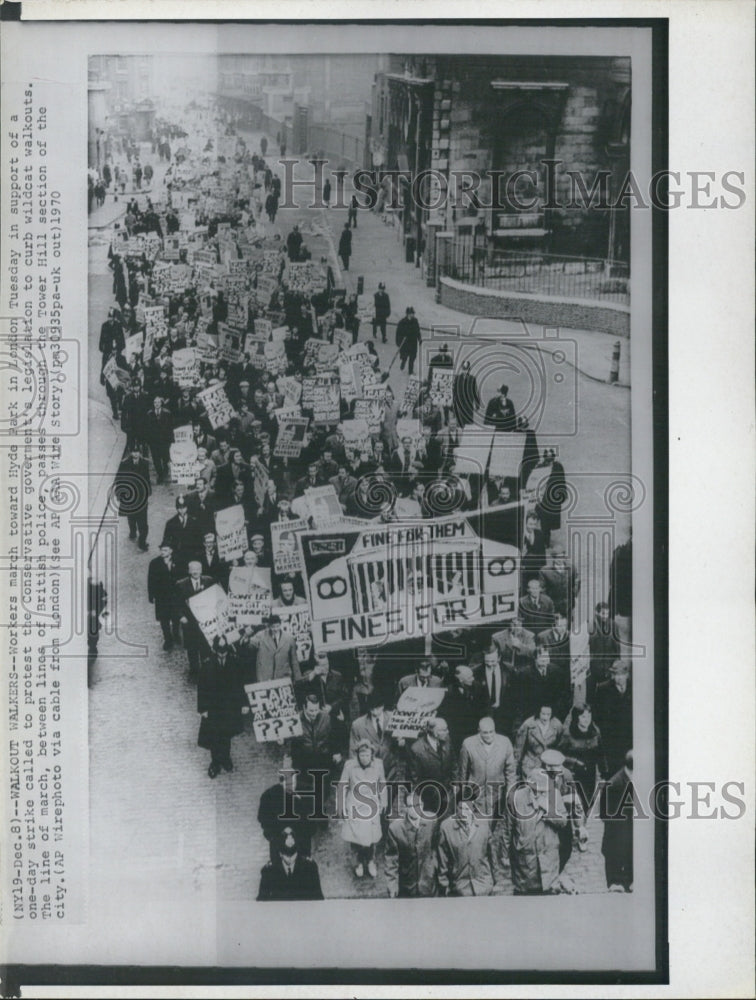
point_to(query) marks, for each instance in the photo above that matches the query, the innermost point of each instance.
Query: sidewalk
(378, 254)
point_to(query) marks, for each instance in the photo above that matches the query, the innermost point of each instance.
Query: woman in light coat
(538, 733)
(362, 799)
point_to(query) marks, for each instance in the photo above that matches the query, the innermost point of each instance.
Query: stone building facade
(497, 136)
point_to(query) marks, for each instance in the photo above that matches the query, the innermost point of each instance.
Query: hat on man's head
(619, 667)
(552, 759)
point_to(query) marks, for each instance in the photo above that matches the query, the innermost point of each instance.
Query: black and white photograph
(351, 548)
(421, 220)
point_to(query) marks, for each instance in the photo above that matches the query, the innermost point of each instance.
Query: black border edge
(14, 976)
(660, 390)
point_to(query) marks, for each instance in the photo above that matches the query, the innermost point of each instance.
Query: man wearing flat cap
(537, 814)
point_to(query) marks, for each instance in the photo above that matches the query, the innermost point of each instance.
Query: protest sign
(249, 595)
(371, 411)
(237, 308)
(471, 455)
(275, 357)
(260, 477)
(350, 380)
(183, 433)
(411, 394)
(325, 355)
(255, 349)
(207, 347)
(215, 401)
(323, 505)
(291, 436)
(507, 453)
(231, 532)
(286, 555)
(274, 709)
(323, 395)
(171, 247)
(186, 370)
(408, 427)
(114, 375)
(297, 622)
(442, 386)
(155, 322)
(415, 707)
(183, 462)
(229, 343)
(356, 436)
(133, 346)
(342, 338)
(211, 611)
(263, 327)
(290, 388)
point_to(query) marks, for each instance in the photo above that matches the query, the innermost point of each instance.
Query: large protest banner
(385, 583)
(296, 621)
(286, 555)
(416, 706)
(211, 611)
(274, 710)
(215, 401)
(231, 532)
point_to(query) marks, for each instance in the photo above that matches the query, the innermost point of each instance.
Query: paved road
(157, 819)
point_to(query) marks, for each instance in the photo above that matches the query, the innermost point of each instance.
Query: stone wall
(576, 314)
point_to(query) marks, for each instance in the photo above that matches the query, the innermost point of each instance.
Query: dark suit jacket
(302, 884)
(203, 511)
(427, 764)
(184, 538)
(159, 427)
(503, 716)
(462, 713)
(161, 588)
(537, 619)
(132, 486)
(535, 691)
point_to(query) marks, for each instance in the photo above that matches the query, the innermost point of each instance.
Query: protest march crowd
(377, 583)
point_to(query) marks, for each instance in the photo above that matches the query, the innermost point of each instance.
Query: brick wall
(571, 313)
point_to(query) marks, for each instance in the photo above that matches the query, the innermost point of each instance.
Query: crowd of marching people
(241, 375)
